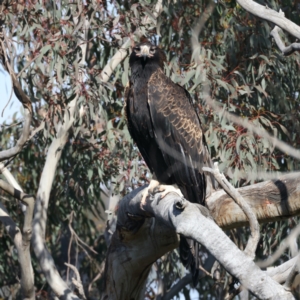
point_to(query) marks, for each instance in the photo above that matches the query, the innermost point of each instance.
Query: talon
(148, 191)
(166, 189)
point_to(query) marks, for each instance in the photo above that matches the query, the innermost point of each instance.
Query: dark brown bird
(167, 130)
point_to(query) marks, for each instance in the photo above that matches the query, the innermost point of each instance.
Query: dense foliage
(237, 65)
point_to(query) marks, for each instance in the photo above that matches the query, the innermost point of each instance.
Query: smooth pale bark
(6, 154)
(139, 240)
(46, 262)
(285, 50)
(271, 200)
(21, 241)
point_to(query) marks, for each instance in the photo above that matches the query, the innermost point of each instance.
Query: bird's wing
(133, 123)
(179, 134)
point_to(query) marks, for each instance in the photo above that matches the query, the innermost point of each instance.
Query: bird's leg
(155, 187)
(152, 185)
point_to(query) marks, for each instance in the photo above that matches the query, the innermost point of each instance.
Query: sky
(5, 91)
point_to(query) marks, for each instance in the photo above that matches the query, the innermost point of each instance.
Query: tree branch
(236, 196)
(136, 230)
(280, 273)
(21, 242)
(285, 50)
(6, 154)
(266, 13)
(45, 259)
(270, 200)
(252, 129)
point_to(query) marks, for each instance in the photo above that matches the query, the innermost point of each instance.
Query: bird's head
(147, 53)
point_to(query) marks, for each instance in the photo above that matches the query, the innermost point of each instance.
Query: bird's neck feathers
(141, 71)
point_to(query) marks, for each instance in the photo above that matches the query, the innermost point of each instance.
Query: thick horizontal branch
(271, 200)
(139, 240)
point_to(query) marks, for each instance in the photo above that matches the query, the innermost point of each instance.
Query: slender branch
(6, 154)
(178, 286)
(266, 13)
(77, 281)
(280, 273)
(236, 196)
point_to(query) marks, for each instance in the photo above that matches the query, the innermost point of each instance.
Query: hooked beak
(145, 52)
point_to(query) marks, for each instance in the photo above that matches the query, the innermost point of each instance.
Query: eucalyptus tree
(70, 160)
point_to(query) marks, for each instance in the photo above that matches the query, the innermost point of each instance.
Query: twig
(99, 275)
(254, 225)
(285, 50)
(77, 281)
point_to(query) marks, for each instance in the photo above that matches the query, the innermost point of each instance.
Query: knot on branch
(181, 204)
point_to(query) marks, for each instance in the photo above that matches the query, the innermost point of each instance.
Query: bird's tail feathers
(189, 256)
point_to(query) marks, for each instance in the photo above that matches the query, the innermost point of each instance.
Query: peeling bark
(271, 201)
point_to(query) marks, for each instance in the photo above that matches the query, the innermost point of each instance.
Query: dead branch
(77, 281)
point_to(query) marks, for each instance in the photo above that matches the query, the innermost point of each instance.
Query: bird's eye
(152, 50)
(137, 48)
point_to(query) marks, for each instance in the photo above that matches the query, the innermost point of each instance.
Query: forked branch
(137, 231)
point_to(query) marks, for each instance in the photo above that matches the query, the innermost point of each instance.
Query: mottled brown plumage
(167, 130)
